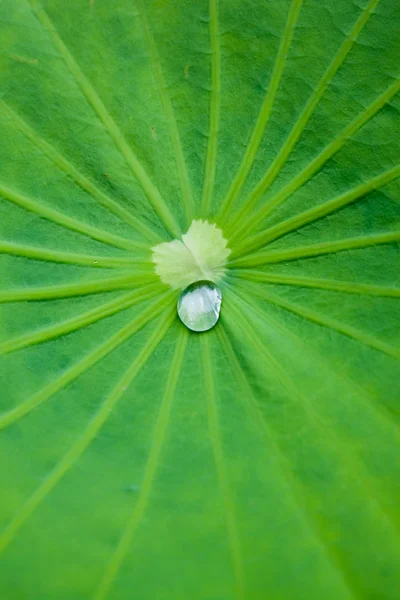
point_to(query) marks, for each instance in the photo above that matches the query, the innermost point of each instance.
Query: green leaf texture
(262, 459)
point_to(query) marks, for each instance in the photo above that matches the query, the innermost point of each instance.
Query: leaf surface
(260, 459)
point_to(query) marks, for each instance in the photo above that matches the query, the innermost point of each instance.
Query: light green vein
(50, 214)
(349, 287)
(265, 112)
(87, 318)
(69, 258)
(75, 175)
(215, 107)
(78, 289)
(152, 193)
(315, 165)
(186, 189)
(295, 488)
(354, 466)
(160, 429)
(298, 128)
(222, 472)
(357, 390)
(310, 314)
(84, 441)
(276, 256)
(86, 362)
(322, 210)
(232, 308)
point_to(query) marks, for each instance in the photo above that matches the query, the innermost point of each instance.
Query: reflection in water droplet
(199, 305)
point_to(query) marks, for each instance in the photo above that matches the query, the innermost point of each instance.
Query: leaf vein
(353, 463)
(295, 489)
(222, 472)
(215, 107)
(296, 131)
(54, 216)
(320, 249)
(265, 112)
(160, 429)
(83, 442)
(70, 258)
(85, 363)
(152, 193)
(331, 323)
(73, 324)
(318, 212)
(75, 175)
(77, 289)
(187, 194)
(350, 287)
(317, 163)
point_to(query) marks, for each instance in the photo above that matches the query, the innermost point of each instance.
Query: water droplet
(199, 305)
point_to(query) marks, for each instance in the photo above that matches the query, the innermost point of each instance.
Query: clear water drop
(199, 305)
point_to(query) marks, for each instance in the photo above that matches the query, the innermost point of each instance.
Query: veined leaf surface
(258, 460)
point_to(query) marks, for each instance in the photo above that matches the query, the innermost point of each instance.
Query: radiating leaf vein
(187, 195)
(81, 288)
(295, 488)
(84, 441)
(54, 216)
(297, 129)
(69, 258)
(265, 112)
(222, 472)
(329, 322)
(152, 193)
(247, 225)
(318, 212)
(316, 356)
(346, 451)
(160, 429)
(87, 361)
(350, 287)
(215, 107)
(276, 256)
(84, 183)
(78, 322)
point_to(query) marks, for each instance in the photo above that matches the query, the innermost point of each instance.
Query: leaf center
(202, 253)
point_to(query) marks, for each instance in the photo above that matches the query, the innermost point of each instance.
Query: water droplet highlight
(199, 305)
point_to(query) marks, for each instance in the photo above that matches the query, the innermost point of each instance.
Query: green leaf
(258, 460)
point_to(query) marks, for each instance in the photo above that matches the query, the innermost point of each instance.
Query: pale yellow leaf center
(202, 253)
